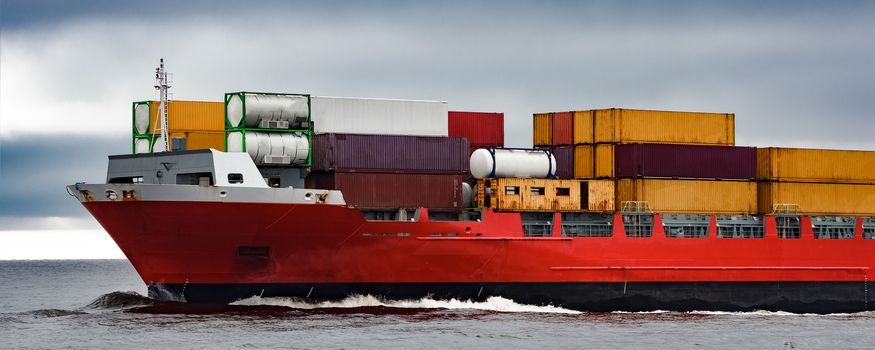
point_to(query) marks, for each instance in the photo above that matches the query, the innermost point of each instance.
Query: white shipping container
(378, 116)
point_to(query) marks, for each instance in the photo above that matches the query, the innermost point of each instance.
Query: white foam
(498, 304)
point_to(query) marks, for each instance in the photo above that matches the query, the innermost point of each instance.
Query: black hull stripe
(799, 297)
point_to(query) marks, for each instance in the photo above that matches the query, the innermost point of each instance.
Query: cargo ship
(321, 198)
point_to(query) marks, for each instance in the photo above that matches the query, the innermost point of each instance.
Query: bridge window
(204, 179)
(126, 180)
(235, 178)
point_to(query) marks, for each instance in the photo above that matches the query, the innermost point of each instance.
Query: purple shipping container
(391, 191)
(648, 160)
(390, 154)
(564, 161)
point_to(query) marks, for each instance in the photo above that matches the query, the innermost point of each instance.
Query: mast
(162, 85)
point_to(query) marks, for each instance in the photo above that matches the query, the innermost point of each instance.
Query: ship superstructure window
(638, 225)
(740, 226)
(587, 225)
(511, 190)
(686, 226)
(789, 226)
(127, 180)
(204, 179)
(833, 227)
(538, 191)
(868, 228)
(235, 178)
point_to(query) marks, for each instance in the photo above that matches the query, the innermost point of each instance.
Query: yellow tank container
(818, 198)
(690, 196)
(583, 162)
(189, 116)
(815, 165)
(632, 125)
(542, 129)
(583, 132)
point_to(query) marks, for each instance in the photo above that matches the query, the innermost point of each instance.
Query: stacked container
(483, 130)
(401, 158)
(273, 128)
(669, 159)
(816, 181)
(190, 124)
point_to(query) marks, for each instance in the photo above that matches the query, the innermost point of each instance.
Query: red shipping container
(649, 160)
(563, 128)
(480, 128)
(392, 191)
(390, 154)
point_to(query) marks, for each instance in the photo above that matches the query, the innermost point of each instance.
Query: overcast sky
(796, 73)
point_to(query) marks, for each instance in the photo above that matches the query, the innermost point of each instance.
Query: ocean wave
(496, 304)
(120, 300)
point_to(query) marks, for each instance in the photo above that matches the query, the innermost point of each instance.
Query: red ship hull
(220, 252)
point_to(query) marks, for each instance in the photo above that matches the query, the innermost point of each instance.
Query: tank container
(271, 148)
(141, 145)
(267, 110)
(512, 163)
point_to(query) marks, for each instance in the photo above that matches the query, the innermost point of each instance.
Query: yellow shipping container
(690, 196)
(542, 129)
(632, 125)
(583, 127)
(815, 165)
(189, 116)
(604, 161)
(529, 194)
(600, 195)
(583, 162)
(818, 198)
(200, 139)
(594, 161)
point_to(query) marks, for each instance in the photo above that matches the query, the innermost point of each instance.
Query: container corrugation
(480, 128)
(390, 154)
(690, 196)
(815, 165)
(676, 161)
(818, 198)
(378, 116)
(391, 191)
(630, 125)
(513, 194)
(564, 161)
(542, 129)
(583, 132)
(563, 128)
(583, 162)
(189, 116)
(204, 140)
(600, 195)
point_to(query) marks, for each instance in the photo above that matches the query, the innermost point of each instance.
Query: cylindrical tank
(141, 118)
(159, 145)
(513, 163)
(265, 107)
(260, 144)
(141, 146)
(467, 195)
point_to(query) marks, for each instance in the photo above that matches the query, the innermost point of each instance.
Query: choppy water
(99, 304)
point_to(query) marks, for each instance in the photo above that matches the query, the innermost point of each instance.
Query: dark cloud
(35, 168)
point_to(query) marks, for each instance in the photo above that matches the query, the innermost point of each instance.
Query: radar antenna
(162, 85)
